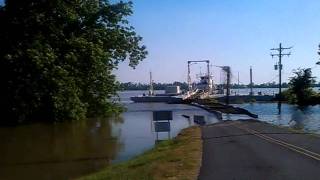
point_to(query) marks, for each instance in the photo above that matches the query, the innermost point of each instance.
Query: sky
(235, 33)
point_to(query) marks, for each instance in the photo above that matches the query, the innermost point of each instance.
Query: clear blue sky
(228, 32)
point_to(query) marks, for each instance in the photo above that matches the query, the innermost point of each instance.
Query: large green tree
(300, 86)
(57, 57)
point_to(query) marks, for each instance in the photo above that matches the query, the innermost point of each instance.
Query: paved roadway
(253, 150)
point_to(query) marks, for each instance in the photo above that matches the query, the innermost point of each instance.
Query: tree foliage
(57, 57)
(300, 86)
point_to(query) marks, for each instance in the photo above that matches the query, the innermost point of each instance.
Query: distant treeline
(184, 85)
(263, 85)
(266, 85)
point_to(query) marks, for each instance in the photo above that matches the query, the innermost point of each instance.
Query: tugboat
(205, 87)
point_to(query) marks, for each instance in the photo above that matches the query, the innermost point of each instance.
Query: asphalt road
(254, 150)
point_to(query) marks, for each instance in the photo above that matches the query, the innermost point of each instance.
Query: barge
(172, 94)
(158, 98)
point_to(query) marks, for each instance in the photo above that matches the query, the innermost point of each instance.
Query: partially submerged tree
(57, 57)
(300, 86)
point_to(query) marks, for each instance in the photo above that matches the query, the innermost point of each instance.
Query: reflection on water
(138, 131)
(305, 118)
(71, 149)
(279, 108)
(56, 151)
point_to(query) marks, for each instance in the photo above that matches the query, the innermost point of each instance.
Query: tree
(57, 57)
(300, 86)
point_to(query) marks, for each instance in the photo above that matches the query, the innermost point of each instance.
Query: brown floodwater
(68, 150)
(56, 151)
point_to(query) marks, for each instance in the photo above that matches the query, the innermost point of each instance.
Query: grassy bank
(179, 158)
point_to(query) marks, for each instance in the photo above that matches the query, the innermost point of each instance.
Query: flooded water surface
(301, 118)
(72, 149)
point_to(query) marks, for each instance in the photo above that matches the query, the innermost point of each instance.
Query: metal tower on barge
(205, 86)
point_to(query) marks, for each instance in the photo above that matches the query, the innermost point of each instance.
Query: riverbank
(179, 158)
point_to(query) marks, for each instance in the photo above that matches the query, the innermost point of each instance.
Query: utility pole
(279, 65)
(251, 91)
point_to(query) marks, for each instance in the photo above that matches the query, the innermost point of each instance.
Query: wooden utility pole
(279, 65)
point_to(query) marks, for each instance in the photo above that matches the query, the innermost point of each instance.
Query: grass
(179, 158)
